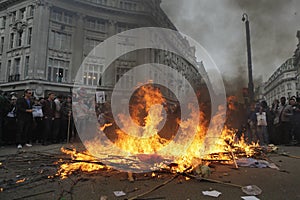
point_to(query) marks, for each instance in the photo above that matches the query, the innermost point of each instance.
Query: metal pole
(250, 76)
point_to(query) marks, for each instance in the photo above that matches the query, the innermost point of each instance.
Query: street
(30, 174)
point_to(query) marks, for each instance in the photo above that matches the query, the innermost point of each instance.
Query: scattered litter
(272, 148)
(252, 190)
(119, 193)
(250, 198)
(103, 198)
(250, 162)
(204, 170)
(213, 193)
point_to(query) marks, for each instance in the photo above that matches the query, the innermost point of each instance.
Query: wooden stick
(211, 180)
(154, 188)
(33, 195)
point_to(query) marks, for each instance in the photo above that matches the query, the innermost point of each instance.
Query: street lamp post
(250, 84)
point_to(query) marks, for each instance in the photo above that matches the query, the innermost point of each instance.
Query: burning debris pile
(146, 143)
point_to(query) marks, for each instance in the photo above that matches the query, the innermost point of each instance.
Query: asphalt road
(32, 166)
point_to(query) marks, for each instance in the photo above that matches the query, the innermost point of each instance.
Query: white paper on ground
(212, 193)
(250, 198)
(119, 193)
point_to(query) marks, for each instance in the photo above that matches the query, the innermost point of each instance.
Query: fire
(81, 162)
(140, 140)
(21, 180)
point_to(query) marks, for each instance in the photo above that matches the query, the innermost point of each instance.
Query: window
(22, 13)
(2, 44)
(56, 15)
(12, 39)
(61, 16)
(92, 74)
(31, 11)
(13, 16)
(26, 66)
(9, 71)
(58, 70)
(90, 44)
(126, 80)
(124, 27)
(289, 86)
(68, 18)
(3, 22)
(29, 36)
(94, 24)
(59, 41)
(17, 65)
(19, 38)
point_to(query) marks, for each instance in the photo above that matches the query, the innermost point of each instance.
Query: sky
(217, 25)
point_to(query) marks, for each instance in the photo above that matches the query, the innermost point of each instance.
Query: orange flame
(86, 164)
(21, 180)
(140, 137)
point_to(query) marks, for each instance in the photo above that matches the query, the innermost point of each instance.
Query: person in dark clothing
(282, 122)
(24, 119)
(67, 119)
(4, 109)
(49, 108)
(57, 120)
(38, 122)
(10, 125)
(295, 120)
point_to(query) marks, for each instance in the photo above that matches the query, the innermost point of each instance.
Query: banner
(100, 97)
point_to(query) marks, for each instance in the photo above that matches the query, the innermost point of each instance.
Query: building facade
(297, 64)
(43, 42)
(282, 83)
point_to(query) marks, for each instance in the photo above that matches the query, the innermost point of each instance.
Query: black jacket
(49, 108)
(22, 106)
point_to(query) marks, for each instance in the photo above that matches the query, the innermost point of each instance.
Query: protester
(10, 123)
(67, 122)
(49, 108)
(4, 109)
(38, 121)
(57, 119)
(282, 122)
(252, 121)
(295, 120)
(24, 120)
(261, 131)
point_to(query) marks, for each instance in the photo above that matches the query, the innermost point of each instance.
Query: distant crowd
(28, 120)
(278, 124)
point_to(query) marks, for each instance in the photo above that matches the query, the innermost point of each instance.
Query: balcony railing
(13, 78)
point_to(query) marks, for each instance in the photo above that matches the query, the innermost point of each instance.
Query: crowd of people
(28, 120)
(278, 124)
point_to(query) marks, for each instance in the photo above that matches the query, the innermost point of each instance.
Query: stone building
(297, 64)
(43, 42)
(282, 82)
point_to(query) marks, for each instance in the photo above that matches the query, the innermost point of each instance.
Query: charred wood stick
(154, 188)
(211, 180)
(89, 162)
(159, 186)
(216, 160)
(33, 195)
(290, 156)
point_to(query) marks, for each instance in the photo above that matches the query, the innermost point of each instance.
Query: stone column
(39, 45)
(77, 45)
(108, 79)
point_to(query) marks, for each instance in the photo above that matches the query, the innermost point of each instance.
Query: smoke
(218, 27)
